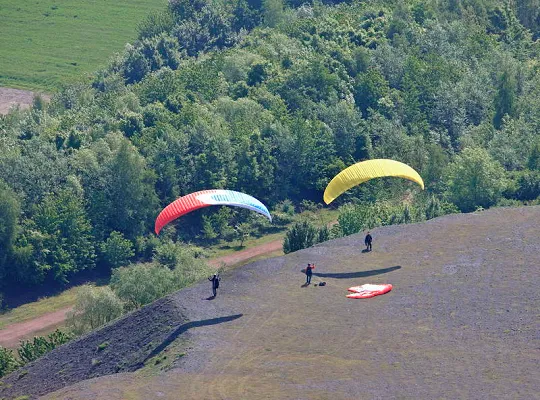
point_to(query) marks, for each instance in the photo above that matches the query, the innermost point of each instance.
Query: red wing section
(368, 290)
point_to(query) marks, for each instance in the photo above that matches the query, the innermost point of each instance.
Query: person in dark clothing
(309, 273)
(368, 241)
(215, 283)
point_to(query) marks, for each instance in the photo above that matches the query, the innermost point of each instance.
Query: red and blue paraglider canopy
(205, 198)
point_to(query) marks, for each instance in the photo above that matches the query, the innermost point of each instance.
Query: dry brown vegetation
(461, 322)
(16, 97)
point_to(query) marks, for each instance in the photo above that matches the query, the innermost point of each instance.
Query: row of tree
(270, 98)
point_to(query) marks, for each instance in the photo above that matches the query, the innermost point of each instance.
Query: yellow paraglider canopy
(366, 170)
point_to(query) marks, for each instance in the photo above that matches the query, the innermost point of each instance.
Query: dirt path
(247, 254)
(10, 336)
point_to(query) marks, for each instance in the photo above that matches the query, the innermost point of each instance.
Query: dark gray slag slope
(126, 343)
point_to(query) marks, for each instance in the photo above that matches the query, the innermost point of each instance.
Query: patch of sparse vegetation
(102, 346)
(8, 362)
(22, 374)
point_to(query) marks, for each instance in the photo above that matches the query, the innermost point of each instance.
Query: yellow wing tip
(327, 199)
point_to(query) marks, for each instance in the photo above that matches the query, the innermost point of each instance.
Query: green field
(44, 43)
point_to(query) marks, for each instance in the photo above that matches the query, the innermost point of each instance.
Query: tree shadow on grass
(18, 295)
(183, 328)
(359, 274)
(230, 247)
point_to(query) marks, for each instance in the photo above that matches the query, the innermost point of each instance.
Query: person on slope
(215, 283)
(309, 273)
(368, 241)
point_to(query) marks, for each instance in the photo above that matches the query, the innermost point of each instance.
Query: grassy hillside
(460, 323)
(46, 42)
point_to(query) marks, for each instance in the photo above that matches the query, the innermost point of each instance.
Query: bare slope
(15, 97)
(461, 322)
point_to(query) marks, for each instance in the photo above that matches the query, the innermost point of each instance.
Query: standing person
(215, 283)
(368, 241)
(309, 273)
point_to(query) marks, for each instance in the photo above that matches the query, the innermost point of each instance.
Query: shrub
(400, 216)
(308, 205)
(474, 179)
(354, 219)
(8, 362)
(301, 236)
(145, 247)
(323, 234)
(117, 250)
(144, 283)
(285, 206)
(102, 346)
(433, 208)
(95, 306)
(175, 254)
(283, 213)
(40, 345)
(243, 231)
(528, 183)
(155, 23)
(59, 337)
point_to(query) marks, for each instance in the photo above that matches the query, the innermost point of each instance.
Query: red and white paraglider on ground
(368, 290)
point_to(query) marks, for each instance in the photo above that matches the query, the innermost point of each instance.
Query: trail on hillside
(11, 335)
(247, 254)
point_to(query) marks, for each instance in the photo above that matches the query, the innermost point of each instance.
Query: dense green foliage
(117, 251)
(272, 98)
(175, 266)
(95, 307)
(474, 180)
(302, 235)
(8, 362)
(143, 283)
(31, 350)
(361, 217)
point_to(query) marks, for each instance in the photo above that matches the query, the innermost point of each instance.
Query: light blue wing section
(232, 198)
